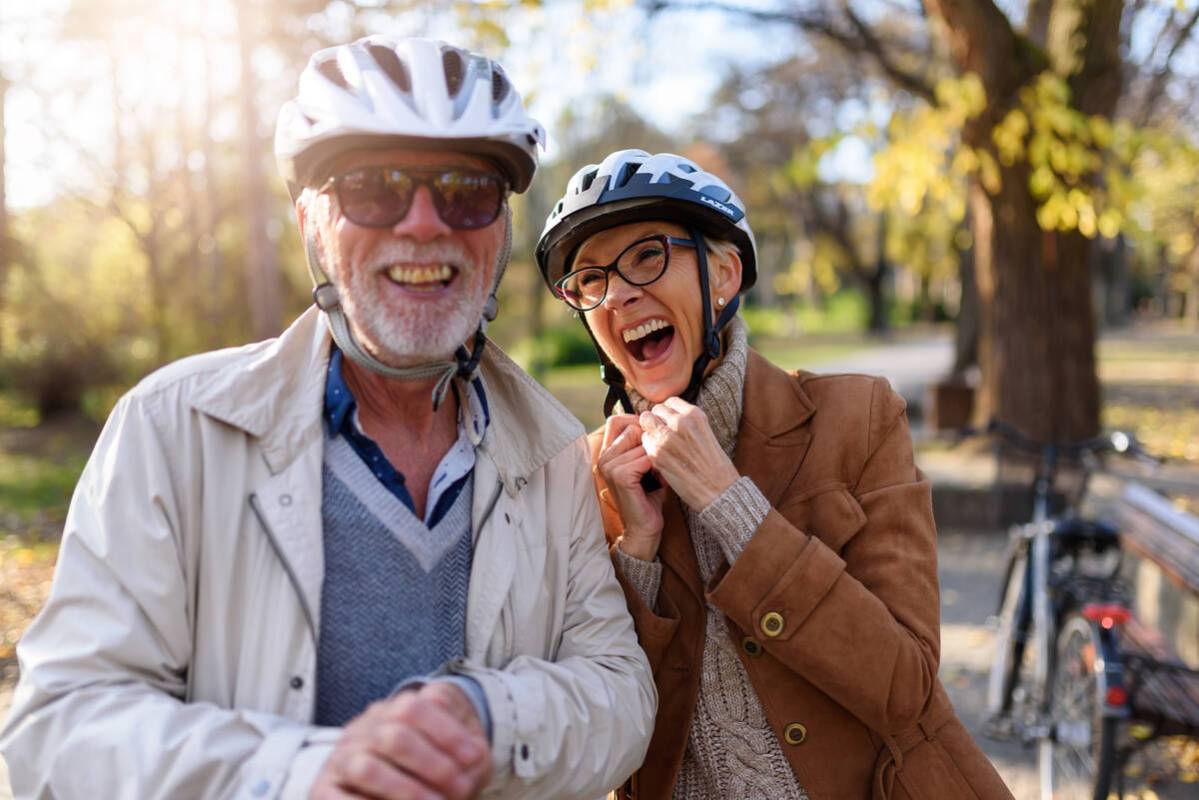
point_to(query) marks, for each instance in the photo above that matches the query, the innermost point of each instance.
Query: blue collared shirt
(341, 415)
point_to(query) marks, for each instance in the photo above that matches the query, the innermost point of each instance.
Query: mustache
(402, 251)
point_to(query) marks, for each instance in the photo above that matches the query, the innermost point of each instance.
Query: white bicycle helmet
(423, 92)
(415, 93)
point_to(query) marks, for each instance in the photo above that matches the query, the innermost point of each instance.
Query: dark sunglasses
(379, 197)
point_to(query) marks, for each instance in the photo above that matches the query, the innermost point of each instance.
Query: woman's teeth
(644, 329)
(421, 275)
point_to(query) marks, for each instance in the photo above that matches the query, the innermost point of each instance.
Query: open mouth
(650, 339)
(425, 278)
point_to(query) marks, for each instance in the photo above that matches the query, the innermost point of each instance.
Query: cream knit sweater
(731, 751)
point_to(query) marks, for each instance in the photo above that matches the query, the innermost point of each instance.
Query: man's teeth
(645, 329)
(436, 274)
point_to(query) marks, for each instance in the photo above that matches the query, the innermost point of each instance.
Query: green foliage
(845, 311)
(566, 345)
(32, 483)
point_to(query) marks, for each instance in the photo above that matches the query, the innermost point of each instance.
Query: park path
(910, 364)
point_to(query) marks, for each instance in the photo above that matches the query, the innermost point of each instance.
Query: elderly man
(363, 559)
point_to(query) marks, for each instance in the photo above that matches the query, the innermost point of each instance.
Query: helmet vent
(626, 172)
(390, 63)
(499, 86)
(454, 69)
(332, 71)
(588, 179)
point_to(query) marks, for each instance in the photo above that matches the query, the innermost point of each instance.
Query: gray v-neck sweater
(393, 602)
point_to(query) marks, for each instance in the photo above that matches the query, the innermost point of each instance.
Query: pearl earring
(720, 302)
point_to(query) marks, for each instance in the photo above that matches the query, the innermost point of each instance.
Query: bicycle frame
(1044, 603)
(1043, 623)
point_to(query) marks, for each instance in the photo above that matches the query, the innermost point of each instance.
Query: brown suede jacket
(833, 604)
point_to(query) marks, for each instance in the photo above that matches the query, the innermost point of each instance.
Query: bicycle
(1064, 673)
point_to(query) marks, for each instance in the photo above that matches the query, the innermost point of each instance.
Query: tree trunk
(214, 291)
(262, 269)
(877, 324)
(535, 209)
(151, 241)
(965, 342)
(1192, 302)
(191, 281)
(1036, 342)
(1037, 332)
(6, 249)
(876, 284)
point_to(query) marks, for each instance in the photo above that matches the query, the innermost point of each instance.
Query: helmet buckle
(325, 296)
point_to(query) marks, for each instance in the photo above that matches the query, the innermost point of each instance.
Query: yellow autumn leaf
(1101, 131)
(1109, 223)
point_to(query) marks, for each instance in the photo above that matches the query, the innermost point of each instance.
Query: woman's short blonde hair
(722, 248)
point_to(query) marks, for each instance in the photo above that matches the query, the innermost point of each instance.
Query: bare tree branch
(1158, 84)
(982, 41)
(1037, 24)
(861, 40)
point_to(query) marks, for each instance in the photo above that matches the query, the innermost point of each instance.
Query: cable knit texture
(731, 751)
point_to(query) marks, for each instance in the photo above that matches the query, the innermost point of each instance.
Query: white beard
(420, 331)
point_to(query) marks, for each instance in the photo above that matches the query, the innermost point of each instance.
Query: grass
(29, 484)
(1151, 386)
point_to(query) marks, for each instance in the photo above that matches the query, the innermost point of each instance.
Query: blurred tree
(262, 270)
(5, 245)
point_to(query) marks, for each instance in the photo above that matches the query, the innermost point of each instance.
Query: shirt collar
(474, 415)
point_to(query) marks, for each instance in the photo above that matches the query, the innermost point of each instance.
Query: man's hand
(424, 744)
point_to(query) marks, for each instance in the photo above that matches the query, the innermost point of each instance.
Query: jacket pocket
(828, 512)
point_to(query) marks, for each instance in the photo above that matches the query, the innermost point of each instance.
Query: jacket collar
(529, 427)
(275, 391)
(774, 436)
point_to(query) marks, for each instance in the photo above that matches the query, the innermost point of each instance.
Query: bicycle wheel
(1079, 757)
(1015, 619)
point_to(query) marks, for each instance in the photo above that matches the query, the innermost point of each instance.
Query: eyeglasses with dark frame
(640, 264)
(381, 196)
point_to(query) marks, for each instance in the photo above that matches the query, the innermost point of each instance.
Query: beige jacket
(175, 657)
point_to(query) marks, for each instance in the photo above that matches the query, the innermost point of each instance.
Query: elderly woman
(773, 536)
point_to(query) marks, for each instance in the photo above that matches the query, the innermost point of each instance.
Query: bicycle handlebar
(1120, 442)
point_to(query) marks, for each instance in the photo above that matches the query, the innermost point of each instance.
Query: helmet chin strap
(465, 363)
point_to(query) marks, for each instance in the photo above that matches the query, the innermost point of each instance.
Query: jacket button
(772, 624)
(795, 733)
(285, 499)
(297, 682)
(751, 647)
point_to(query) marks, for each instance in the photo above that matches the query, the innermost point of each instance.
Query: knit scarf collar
(722, 393)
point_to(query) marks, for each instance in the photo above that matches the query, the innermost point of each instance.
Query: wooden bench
(1162, 691)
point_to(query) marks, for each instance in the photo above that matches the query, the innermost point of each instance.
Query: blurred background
(994, 203)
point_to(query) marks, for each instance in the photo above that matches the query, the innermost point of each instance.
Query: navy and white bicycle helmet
(634, 186)
(631, 186)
